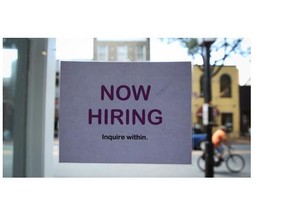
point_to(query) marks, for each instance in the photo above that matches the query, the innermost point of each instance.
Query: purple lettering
(133, 116)
(123, 92)
(128, 93)
(110, 94)
(140, 118)
(118, 116)
(157, 120)
(106, 114)
(141, 90)
(90, 116)
(127, 117)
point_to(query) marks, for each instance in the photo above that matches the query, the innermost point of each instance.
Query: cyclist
(219, 138)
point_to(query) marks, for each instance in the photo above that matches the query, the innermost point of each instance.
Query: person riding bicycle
(219, 138)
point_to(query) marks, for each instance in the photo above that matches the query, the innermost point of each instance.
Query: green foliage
(191, 44)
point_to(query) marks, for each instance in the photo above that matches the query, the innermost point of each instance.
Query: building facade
(122, 50)
(245, 110)
(225, 99)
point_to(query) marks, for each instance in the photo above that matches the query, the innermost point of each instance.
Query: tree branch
(224, 57)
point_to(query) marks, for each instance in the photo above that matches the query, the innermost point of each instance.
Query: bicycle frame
(234, 162)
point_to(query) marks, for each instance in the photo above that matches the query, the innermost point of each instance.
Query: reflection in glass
(10, 57)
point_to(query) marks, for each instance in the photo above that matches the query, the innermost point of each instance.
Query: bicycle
(234, 162)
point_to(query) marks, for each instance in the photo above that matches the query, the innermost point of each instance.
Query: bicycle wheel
(201, 162)
(235, 163)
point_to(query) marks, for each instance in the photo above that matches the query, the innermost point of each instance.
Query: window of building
(102, 53)
(227, 120)
(122, 53)
(15, 93)
(225, 86)
(140, 53)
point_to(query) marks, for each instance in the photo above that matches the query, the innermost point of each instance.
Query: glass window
(122, 53)
(102, 53)
(10, 64)
(225, 86)
(140, 53)
(227, 120)
(15, 64)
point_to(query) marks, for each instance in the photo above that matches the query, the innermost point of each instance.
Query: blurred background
(31, 90)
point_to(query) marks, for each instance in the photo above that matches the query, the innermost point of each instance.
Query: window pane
(15, 75)
(140, 53)
(102, 53)
(225, 86)
(9, 68)
(122, 53)
(227, 120)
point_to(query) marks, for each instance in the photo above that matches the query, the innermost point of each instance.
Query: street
(150, 170)
(222, 171)
(194, 171)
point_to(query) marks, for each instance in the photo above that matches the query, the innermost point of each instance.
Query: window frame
(225, 84)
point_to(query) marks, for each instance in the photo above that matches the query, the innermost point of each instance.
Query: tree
(221, 50)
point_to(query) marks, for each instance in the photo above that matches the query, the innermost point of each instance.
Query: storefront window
(15, 62)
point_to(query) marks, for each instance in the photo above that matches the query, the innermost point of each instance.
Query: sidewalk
(242, 140)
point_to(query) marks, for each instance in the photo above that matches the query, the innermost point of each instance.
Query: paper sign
(125, 112)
